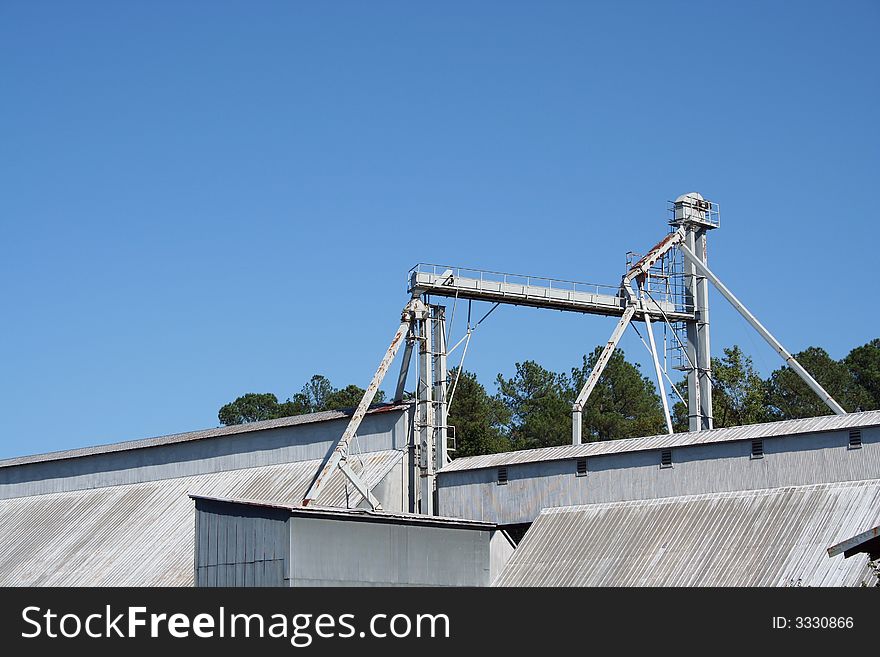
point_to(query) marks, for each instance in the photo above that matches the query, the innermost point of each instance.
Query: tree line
(318, 394)
(532, 408)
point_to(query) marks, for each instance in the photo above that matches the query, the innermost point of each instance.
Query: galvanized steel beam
(535, 296)
(404, 367)
(413, 310)
(425, 415)
(661, 389)
(578, 406)
(790, 360)
(440, 387)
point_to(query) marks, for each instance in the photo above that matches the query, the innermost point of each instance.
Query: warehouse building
(253, 543)
(512, 488)
(223, 507)
(120, 515)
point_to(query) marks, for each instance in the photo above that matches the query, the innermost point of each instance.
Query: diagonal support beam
(658, 370)
(578, 406)
(404, 368)
(414, 308)
(360, 485)
(753, 321)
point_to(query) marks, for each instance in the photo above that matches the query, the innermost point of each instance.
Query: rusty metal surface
(775, 537)
(143, 534)
(728, 434)
(656, 252)
(367, 515)
(171, 439)
(853, 542)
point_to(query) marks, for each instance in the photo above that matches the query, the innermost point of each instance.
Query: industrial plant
(374, 496)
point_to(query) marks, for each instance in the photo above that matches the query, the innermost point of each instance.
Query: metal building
(253, 543)
(513, 488)
(120, 515)
(124, 514)
(774, 537)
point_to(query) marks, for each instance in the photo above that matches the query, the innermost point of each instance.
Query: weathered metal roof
(143, 534)
(249, 427)
(367, 515)
(773, 537)
(665, 441)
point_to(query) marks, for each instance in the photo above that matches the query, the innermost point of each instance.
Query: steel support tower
(669, 284)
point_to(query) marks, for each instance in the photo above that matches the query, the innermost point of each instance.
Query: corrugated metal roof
(143, 534)
(664, 441)
(249, 427)
(354, 514)
(774, 537)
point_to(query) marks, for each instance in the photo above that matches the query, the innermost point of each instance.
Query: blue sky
(205, 199)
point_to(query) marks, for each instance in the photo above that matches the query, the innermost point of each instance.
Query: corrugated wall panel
(256, 545)
(812, 425)
(699, 468)
(156, 460)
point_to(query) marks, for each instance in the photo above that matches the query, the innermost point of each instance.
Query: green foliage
(314, 394)
(863, 364)
(739, 394)
(624, 403)
(533, 407)
(318, 394)
(789, 397)
(478, 418)
(349, 397)
(539, 402)
(250, 407)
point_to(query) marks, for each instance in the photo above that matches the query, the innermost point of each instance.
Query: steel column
(701, 314)
(441, 380)
(695, 416)
(425, 416)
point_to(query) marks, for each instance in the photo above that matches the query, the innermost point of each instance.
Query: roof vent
(758, 448)
(855, 438)
(502, 475)
(581, 467)
(666, 458)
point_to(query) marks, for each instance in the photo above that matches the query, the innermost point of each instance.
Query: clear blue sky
(201, 199)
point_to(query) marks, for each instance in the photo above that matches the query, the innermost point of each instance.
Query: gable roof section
(143, 534)
(249, 427)
(774, 537)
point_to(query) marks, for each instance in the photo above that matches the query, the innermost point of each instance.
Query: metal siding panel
(228, 554)
(341, 552)
(385, 416)
(702, 468)
(867, 419)
(198, 553)
(186, 455)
